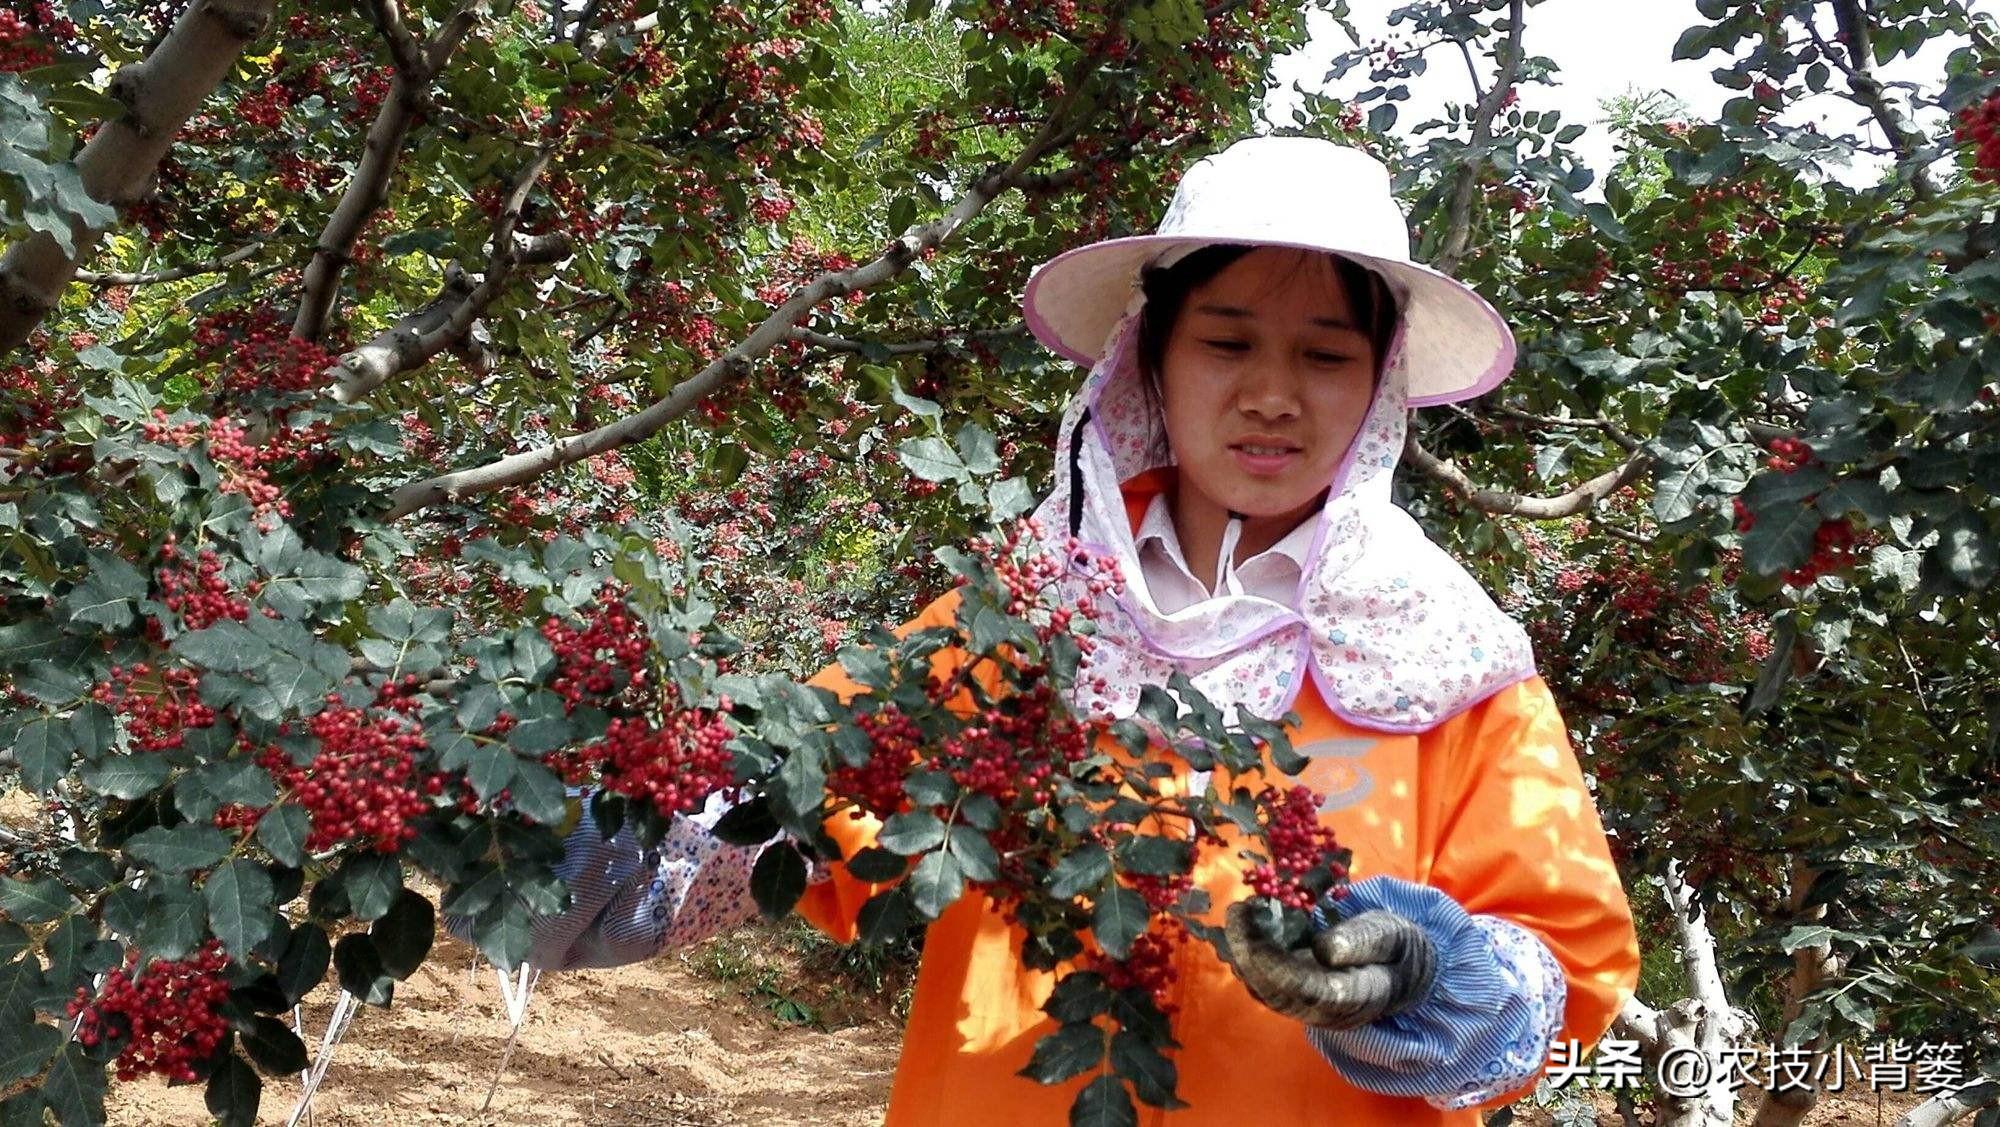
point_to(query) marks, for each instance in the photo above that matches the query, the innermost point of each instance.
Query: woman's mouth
(1264, 459)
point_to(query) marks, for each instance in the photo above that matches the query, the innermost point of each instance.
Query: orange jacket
(1488, 807)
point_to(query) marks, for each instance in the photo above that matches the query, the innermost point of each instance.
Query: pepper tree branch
(1458, 234)
(366, 192)
(1500, 503)
(422, 334)
(159, 93)
(1856, 62)
(734, 364)
(171, 273)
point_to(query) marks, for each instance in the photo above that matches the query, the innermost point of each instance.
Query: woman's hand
(1357, 970)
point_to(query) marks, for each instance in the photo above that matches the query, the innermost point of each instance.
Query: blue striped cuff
(1483, 1027)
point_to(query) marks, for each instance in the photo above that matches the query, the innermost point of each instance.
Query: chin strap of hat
(1076, 473)
(1225, 559)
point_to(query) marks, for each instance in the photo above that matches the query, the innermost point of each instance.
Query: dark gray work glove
(1357, 970)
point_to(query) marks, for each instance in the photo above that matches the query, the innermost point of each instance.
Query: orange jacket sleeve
(1517, 835)
(834, 905)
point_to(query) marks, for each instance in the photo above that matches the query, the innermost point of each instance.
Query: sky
(1602, 48)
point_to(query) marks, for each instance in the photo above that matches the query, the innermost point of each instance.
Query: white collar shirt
(1271, 574)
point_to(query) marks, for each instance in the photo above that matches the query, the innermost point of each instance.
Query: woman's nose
(1269, 389)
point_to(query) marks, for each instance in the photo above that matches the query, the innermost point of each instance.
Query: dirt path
(654, 1043)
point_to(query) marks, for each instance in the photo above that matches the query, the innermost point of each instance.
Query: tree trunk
(1812, 966)
(159, 93)
(1706, 1023)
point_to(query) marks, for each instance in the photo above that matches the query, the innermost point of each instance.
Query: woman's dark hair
(1167, 289)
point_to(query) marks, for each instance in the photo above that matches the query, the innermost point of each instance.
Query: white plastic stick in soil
(514, 994)
(344, 1008)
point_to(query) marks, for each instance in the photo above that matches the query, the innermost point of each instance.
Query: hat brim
(1455, 345)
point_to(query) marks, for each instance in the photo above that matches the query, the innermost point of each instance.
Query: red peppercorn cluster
(1834, 544)
(198, 594)
(602, 661)
(1788, 454)
(674, 766)
(157, 713)
(1149, 966)
(1027, 573)
(168, 1014)
(876, 787)
(1162, 893)
(1299, 844)
(1011, 750)
(257, 351)
(29, 41)
(1979, 126)
(362, 784)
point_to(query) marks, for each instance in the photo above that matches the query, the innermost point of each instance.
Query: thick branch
(1458, 234)
(172, 273)
(403, 48)
(730, 366)
(159, 93)
(1950, 1107)
(1857, 63)
(368, 190)
(1499, 503)
(905, 347)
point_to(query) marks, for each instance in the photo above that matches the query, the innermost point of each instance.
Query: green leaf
(174, 917)
(23, 1052)
(107, 594)
(228, 646)
(239, 905)
(976, 855)
(182, 849)
(979, 448)
(877, 866)
(273, 1046)
(1805, 935)
(34, 901)
(1070, 1051)
(1153, 855)
(126, 776)
(1078, 996)
(886, 917)
(1967, 551)
(936, 884)
(42, 750)
(931, 459)
(911, 832)
(404, 934)
(1103, 1103)
(1119, 918)
(233, 1092)
(1777, 668)
(778, 879)
(1781, 539)
(1081, 870)
(747, 823)
(359, 968)
(304, 962)
(1010, 498)
(1150, 1071)
(74, 1088)
(283, 831)
(371, 881)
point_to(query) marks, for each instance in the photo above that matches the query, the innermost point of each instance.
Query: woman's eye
(1228, 345)
(1327, 357)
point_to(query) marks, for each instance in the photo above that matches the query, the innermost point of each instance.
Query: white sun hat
(1301, 192)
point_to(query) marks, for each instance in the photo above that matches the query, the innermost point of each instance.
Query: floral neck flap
(1397, 635)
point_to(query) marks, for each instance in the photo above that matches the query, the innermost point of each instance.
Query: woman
(1253, 364)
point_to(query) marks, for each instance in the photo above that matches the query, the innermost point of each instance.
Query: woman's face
(1265, 378)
